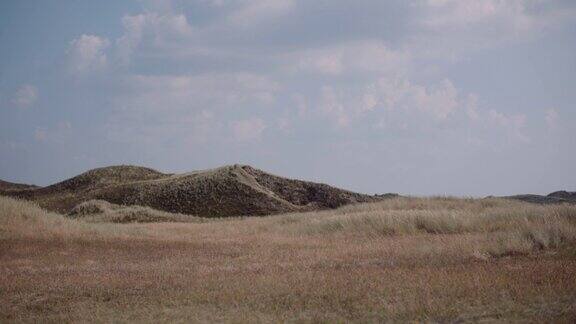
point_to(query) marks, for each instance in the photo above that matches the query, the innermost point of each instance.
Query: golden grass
(507, 226)
(405, 259)
(21, 219)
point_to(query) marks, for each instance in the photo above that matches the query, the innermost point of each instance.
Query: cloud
(358, 56)
(153, 30)
(452, 27)
(438, 100)
(25, 96)
(331, 105)
(405, 102)
(551, 118)
(472, 107)
(58, 133)
(248, 129)
(210, 90)
(358, 75)
(87, 54)
(513, 123)
(449, 13)
(327, 62)
(258, 11)
(187, 109)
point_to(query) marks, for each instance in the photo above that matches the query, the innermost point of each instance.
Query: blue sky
(425, 97)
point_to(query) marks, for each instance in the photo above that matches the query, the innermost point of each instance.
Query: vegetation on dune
(101, 211)
(106, 176)
(222, 192)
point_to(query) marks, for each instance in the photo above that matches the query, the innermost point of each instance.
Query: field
(401, 259)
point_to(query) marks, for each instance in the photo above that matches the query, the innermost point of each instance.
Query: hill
(226, 191)
(552, 198)
(11, 186)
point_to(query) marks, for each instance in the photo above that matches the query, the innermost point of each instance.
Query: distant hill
(553, 198)
(227, 191)
(563, 195)
(10, 186)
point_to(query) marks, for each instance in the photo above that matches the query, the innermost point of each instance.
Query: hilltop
(233, 190)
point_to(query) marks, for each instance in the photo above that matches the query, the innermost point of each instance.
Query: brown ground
(248, 279)
(295, 268)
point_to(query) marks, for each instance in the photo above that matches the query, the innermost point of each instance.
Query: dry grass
(21, 219)
(405, 259)
(507, 226)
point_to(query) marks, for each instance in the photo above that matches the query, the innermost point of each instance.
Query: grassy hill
(226, 191)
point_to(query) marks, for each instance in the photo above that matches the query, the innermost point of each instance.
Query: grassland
(401, 259)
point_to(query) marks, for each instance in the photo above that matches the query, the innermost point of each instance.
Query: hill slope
(11, 186)
(226, 191)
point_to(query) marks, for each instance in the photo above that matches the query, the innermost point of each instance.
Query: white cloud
(463, 12)
(88, 53)
(329, 63)
(257, 11)
(393, 96)
(453, 27)
(284, 124)
(159, 31)
(363, 56)
(25, 96)
(513, 123)
(189, 109)
(248, 129)
(331, 105)
(551, 118)
(472, 107)
(215, 91)
(58, 133)
(369, 101)
(440, 101)
(64, 125)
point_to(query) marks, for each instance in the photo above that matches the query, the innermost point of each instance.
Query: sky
(421, 97)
